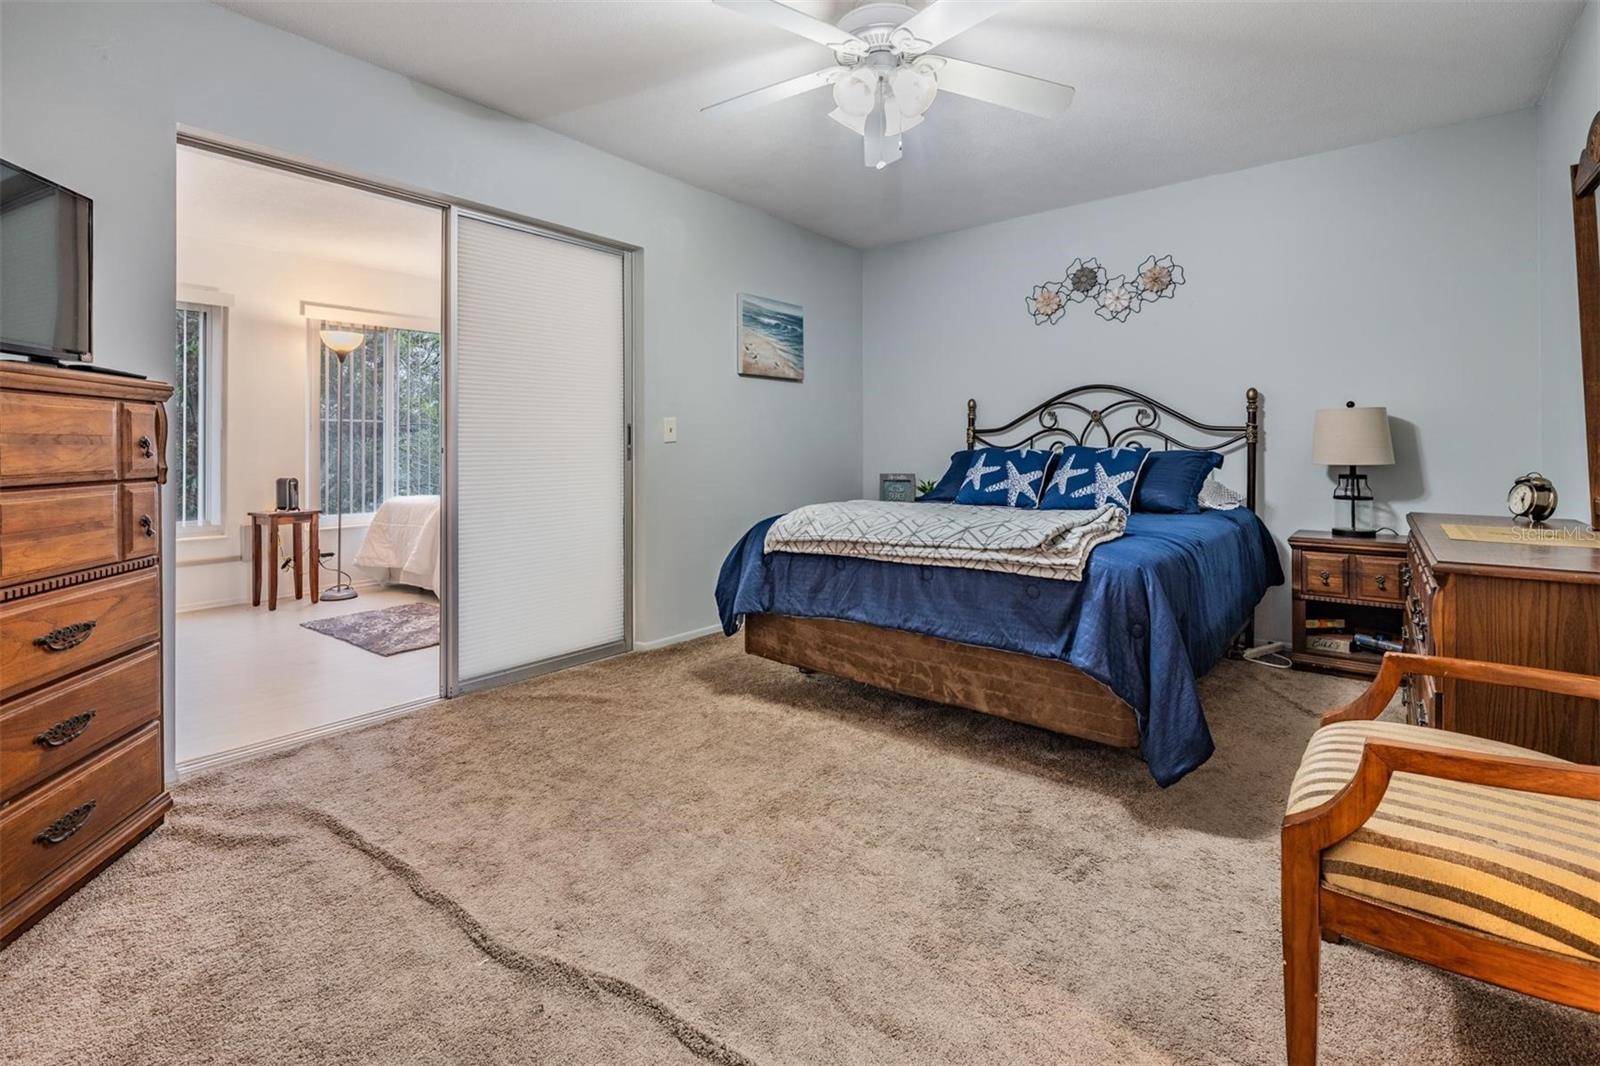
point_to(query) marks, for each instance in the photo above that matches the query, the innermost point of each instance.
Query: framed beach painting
(772, 339)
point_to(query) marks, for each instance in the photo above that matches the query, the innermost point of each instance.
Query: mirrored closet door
(538, 409)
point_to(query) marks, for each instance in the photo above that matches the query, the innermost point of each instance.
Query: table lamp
(1352, 437)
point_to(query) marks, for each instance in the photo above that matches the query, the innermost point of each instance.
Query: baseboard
(678, 638)
(190, 767)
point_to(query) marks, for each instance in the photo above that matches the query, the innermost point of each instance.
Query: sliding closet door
(539, 409)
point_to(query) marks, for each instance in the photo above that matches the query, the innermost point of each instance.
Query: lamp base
(338, 592)
(1367, 533)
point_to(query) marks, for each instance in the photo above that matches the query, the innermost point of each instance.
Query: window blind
(539, 448)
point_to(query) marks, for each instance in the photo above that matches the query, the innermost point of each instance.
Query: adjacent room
(800, 531)
(306, 453)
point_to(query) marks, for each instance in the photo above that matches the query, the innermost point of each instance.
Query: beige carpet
(691, 855)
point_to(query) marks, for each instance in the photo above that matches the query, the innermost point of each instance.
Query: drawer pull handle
(147, 524)
(65, 731)
(65, 637)
(66, 825)
(1324, 575)
(1383, 581)
(147, 447)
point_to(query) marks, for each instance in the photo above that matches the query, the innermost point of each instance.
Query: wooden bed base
(1044, 692)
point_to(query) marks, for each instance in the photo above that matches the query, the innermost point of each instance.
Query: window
(197, 416)
(390, 436)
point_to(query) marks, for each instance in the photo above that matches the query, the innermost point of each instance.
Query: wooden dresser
(82, 457)
(1522, 602)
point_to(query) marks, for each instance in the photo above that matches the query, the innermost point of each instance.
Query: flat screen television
(45, 270)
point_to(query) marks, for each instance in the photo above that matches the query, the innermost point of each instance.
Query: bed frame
(1042, 692)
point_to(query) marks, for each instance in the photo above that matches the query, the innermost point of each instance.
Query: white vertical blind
(539, 447)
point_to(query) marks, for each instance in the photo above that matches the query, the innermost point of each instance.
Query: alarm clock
(1532, 496)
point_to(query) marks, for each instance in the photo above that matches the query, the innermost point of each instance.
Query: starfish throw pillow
(1086, 479)
(1004, 477)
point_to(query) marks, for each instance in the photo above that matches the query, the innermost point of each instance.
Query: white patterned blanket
(1008, 539)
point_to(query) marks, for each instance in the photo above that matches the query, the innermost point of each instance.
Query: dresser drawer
(1375, 579)
(57, 821)
(47, 732)
(141, 440)
(47, 636)
(58, 530)
(1324, 573)
(45, 439)
(141, 519)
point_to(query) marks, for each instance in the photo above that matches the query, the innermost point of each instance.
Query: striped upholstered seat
(1514, 865)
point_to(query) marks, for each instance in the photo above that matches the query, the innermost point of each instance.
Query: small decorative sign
(901, 488)
(1114, 298)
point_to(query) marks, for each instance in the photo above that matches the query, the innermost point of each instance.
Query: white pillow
(1215, 496)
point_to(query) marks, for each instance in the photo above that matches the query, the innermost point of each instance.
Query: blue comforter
(1155, 610)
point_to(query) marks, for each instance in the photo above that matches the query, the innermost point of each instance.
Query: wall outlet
(669, 431)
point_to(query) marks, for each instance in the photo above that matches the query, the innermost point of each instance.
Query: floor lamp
(341, 342)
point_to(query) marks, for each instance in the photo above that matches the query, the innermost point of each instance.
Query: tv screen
(44, 267)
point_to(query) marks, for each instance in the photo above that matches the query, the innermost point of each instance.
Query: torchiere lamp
(1352, 437)
(341, 342)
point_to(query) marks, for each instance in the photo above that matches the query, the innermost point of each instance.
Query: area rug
(691, 855)
(386, 631)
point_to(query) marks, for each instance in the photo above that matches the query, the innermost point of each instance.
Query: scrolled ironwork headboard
(1112, 415)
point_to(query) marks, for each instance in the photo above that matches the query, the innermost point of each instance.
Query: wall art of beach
(772, 338)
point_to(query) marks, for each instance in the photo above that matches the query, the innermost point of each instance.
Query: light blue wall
(1401, 273)
(1568, 107)
(92, 96)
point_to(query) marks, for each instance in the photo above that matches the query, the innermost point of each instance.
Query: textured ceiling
(1166, 92)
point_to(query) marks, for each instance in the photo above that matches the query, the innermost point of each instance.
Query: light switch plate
(669, 431)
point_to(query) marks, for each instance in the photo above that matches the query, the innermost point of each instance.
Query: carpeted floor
(691, 855)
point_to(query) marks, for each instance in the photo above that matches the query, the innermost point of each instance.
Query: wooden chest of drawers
(81, 462)
(1519, 601)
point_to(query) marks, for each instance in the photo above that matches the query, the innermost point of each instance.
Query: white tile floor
(247, 675)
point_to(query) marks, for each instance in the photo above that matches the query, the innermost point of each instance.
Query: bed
(1112, 658)
(402, 542)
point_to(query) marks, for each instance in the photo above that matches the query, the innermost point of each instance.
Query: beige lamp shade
(341, 342)
(1352, 436)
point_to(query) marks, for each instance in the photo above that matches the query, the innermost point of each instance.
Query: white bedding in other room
(404, 540)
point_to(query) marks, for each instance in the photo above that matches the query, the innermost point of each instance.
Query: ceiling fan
(884, 79)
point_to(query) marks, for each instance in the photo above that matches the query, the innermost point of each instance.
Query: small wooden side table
(274, 520)
(1353, 581)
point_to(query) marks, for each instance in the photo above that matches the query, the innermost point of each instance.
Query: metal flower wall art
(1113, 298)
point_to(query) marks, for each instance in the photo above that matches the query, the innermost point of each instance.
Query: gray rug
(387, 631)
(690, 855)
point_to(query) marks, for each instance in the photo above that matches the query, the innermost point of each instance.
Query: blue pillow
(1003, 477)
(945, 491)
(1086, 479)
(1171, 481)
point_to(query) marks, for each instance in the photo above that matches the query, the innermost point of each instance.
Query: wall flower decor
(1114, 299)
(1047, 304)
(1117, 300)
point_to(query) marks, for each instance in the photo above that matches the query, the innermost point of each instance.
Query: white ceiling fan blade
(943, 19)
(787, 18)
(1020, 92)
(771, 94)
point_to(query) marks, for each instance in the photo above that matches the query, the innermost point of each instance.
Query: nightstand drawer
(1324, 573)
(1376, 579)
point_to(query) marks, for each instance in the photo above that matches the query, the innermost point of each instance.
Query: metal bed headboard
(1117, 415)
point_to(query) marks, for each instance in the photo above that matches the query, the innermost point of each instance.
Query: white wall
(92, 95)
(267, 388)
(1399, 274)
(1568, 107)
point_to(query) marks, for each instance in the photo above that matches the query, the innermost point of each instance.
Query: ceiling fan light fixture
(914, 90)
(856, 92)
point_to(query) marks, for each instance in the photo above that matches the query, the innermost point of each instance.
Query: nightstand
(1344, 586)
